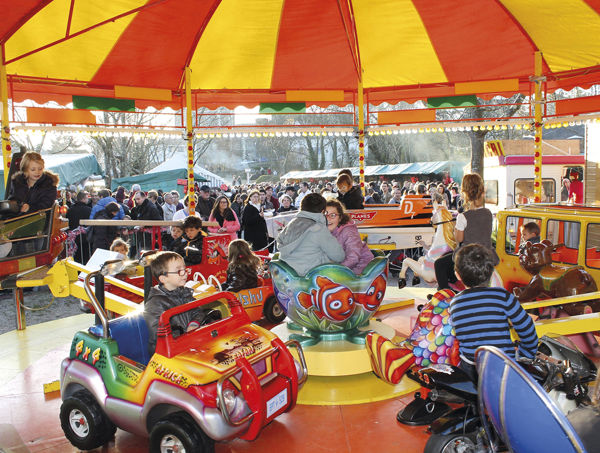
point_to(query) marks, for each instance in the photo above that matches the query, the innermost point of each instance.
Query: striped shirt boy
(481, 316)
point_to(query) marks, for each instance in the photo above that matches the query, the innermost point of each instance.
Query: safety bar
(94, 301)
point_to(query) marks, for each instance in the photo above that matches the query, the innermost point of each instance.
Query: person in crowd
(103, 236)
(396, 196)
(237, 205)
(565, 189)
(306, 242)
(286, 204)
(205, 202)
(576, 189)
(144, 208)
(345, 231)
(422, 191)
(135, 188)
(304, 190)
(386, 194)
(272, 198)
(264, 202)
(372, 197)
(225, 217)
(455, 200)
(243, 268)
(176, 201)
(254, 226)
(105, 198)
(79, 211)
(348, 194)
(120, 198)
(185, 212)
(290, 192)
(482, 315)
(121, 247)
(169, 208)
(168, 268)
(153, 197)
(442, 191)
(33, 188)
(94, 197)
(474, 226)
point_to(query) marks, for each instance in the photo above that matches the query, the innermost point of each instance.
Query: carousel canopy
(248, 52)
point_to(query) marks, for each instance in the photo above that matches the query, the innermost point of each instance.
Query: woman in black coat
(254, 226)
(33, 187)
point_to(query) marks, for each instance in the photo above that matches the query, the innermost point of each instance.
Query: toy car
(261, 301)
(223, 380)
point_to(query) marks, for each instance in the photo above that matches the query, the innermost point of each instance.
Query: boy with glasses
(170, 271)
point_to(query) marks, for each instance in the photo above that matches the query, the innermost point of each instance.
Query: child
(169, 269)
(242, 271)
(530, 232)
(33, 187)
(192, 226)
(480, 315)
(178, 242)
(348, 194)
(121, 247)
(306, 242)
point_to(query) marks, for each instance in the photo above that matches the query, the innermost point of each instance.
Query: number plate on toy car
(277, 402)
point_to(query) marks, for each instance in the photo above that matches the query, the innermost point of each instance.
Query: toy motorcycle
(561, 369)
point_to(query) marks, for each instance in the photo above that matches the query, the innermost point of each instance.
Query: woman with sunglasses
(345, 231)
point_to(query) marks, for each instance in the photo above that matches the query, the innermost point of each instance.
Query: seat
(520, 410)
(131, 334)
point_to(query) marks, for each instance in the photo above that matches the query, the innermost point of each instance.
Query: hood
(293, 234)
(340, 228)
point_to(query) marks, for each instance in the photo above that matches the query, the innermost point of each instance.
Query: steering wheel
(211, 316)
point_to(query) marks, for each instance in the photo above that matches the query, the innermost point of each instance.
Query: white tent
(179, 160)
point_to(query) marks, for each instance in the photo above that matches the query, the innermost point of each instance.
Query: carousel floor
(29, 417)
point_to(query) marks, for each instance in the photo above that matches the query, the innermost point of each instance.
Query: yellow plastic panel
(237, 49)
(88, 13)
(572, 40)
(76, 58)
(395, 48)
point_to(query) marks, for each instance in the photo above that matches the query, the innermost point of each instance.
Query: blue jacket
(102, 204)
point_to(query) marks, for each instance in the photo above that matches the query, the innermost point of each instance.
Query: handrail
(94, 301)
(561, 300)
(141, 223)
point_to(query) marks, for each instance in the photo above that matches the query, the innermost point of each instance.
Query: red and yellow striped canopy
(249, 51)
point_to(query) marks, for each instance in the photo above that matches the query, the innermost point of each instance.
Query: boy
(306, 242)
(176, 242)
(530, 232)
(169, 269)
(192, 226)
(480, 315)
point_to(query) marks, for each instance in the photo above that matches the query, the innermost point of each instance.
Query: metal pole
(18, 293)
(361, 137)
(6, 148)
(99, 292)
(537, 106)
(190, 139)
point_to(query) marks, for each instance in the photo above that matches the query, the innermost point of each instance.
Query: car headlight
(230, 400)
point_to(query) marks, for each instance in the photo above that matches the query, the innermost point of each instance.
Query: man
(153, 197)
(386, 195)
(105, 198)
(290, 192)
(94, 198)
(178, 204)
(144, 208)
(302, 193)
(169, 208)
(205, 203)
(271, 197)
(265, 203)
(80, 210)
(396, 196)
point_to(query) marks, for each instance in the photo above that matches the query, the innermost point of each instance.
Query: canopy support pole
(190, 140)
(537, 106)
(6, 148)
(361, 137)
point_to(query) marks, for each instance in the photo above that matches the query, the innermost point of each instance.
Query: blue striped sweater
(481, 316)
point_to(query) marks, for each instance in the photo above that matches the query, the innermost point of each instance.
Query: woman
(285, 204)
(237, 205)
(33, 187)
(254, 227)
(474, 226)
(345, 231)
(224, 215)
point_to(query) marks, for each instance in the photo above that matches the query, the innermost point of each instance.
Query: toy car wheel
(179, 433)
(273, 311)
(84, 423)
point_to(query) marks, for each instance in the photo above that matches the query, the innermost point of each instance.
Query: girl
(345, 231)
(254, 226)
(242, 272)
(33, 187)
(474, 226)
(121, 247)
(224, 215)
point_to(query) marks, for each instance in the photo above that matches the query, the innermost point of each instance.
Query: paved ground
(44, 308)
